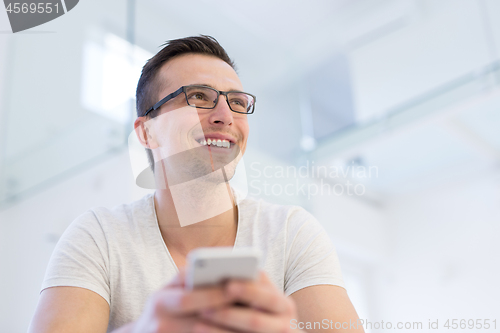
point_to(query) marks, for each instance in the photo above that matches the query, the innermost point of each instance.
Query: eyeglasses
(204, 97)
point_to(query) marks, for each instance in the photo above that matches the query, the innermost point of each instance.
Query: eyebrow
(209, 85)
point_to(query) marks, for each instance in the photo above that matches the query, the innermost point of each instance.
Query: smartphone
(209, 266)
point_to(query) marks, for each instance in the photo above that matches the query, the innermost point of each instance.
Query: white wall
(5, 41)
(445, 260)
(360, 231)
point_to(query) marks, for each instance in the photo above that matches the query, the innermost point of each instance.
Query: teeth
(215, 142)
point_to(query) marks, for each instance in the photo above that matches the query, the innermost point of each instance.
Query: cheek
(172, 128)
(241, 123)
(245, 130)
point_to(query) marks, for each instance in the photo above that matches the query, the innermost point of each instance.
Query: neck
(196, 216)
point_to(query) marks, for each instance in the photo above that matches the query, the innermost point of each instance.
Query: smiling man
(111, 269)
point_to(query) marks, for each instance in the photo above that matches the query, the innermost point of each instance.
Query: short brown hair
(148, 85)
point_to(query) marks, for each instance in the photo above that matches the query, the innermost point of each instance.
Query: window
(111, 69)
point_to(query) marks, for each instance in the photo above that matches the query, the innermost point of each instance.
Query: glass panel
(67, 107)
(433, 102)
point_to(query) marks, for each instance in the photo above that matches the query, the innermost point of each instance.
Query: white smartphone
(208, 266)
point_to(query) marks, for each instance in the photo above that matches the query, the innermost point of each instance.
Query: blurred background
(381, 117)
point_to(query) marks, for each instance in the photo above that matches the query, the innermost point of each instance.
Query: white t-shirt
(120, 253)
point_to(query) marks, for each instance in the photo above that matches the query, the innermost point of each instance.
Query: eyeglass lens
(206, 98)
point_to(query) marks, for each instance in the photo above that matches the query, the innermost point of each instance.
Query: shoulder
(124, 212)
(104, 220)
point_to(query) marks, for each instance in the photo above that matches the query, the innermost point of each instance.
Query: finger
(207, 328)
(259, 296)
(247, 320)
(179, 325)
(165, 324)
(182, 302)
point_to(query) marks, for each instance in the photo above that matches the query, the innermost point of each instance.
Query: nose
(221, 114)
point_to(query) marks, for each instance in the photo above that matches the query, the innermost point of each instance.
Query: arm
(326, 304)
(171, 309)
(70, 309)
(75, 290)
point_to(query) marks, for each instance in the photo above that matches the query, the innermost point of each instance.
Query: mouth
(216, 141)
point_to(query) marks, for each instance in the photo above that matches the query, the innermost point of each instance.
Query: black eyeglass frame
(183, 90)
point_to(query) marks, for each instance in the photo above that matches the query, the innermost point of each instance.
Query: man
(109, 270)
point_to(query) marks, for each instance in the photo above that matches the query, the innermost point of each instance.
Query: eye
(198, 96)
(239, 102)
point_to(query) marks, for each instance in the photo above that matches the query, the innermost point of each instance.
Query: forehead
(198, 69)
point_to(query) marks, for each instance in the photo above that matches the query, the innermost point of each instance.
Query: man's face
(179, 128)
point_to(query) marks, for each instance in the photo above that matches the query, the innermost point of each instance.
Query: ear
(142, 130)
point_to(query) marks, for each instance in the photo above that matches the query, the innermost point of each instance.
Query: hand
(175, 309)
(267, 310)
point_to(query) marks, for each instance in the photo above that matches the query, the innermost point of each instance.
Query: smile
(215, 142)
